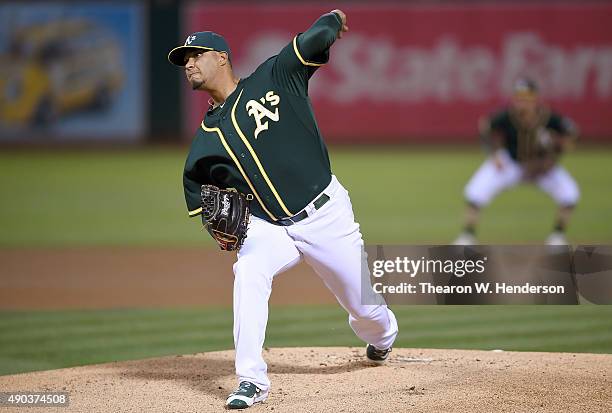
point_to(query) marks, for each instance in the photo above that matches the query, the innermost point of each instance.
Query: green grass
(400, 195)
(46, 340)
(411, 196)
(89, 198)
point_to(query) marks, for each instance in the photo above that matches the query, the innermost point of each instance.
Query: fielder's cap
(525, 88)
(201, 41)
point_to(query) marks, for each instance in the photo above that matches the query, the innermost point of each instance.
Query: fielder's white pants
(489, 181)
(330, 242)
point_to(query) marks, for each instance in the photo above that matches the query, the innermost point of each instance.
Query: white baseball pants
(330, 242)
(489, 181)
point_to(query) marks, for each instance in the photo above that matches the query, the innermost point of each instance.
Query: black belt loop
(317, 203)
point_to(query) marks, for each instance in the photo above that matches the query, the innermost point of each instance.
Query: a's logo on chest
(260, 112)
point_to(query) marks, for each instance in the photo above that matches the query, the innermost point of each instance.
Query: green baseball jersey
(524, 143)
(264, 140)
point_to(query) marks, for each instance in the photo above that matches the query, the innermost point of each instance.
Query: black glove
(225, 213)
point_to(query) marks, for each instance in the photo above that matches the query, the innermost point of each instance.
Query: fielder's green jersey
(523, 143)
(264, 140)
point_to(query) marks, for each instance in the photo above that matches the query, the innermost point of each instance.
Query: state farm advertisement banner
(425, 73)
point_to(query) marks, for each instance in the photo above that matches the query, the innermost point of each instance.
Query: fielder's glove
(225, 213)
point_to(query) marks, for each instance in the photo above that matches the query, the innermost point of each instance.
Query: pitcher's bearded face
(200, 66)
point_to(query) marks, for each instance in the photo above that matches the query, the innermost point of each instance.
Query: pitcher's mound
(340, 380)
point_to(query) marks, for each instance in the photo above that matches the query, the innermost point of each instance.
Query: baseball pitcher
(258, 173)
(525, 141)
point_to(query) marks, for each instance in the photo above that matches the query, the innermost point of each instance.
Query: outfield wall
(413, 71)
(72, 72)
(428, 72)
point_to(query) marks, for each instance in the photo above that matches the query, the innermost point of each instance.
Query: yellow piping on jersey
(244, 175)
(254, 155)
(297, 52)
(195, 212)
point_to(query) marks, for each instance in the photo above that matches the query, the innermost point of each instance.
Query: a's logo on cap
(189, 40)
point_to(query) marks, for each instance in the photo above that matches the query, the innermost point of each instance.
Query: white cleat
(556, 238)
(465, 238)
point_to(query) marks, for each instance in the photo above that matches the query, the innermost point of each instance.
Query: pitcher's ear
(223, 58)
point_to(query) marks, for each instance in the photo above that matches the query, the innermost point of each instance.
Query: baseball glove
(225, 213)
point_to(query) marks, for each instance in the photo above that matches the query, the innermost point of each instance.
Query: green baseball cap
(201, 41)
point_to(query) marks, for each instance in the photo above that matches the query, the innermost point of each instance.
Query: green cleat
(245, 396)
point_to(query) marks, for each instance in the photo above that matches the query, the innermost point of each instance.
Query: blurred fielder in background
(525, 142)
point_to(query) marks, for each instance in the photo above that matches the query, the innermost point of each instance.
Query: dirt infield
(87, 278)
(339, 380)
